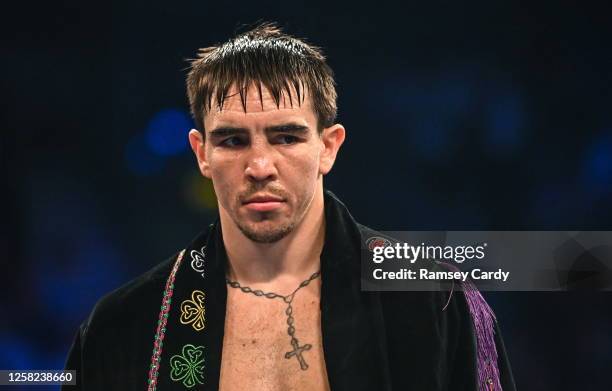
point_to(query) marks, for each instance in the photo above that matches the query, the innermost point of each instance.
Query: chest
(258, 351)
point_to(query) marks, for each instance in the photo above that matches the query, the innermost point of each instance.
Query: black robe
(371, 340)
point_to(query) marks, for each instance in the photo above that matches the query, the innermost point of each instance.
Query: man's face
(265, 164)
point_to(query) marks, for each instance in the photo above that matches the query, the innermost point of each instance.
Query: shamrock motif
(192, 311)
(197, 260)
(188, 367)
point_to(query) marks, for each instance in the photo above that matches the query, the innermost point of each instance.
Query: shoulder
(438, 295)
(450, 327)
(441, 302)
(135, 301)
(368, 233)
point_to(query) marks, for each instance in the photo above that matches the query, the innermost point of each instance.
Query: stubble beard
(267, 235)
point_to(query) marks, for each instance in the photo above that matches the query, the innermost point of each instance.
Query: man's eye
(232, 142)
(287, 139)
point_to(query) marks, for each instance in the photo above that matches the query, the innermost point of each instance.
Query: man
(268, 297)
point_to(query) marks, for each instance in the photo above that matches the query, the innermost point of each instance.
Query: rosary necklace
(288, 299)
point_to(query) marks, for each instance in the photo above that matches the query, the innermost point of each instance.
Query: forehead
(261, 106)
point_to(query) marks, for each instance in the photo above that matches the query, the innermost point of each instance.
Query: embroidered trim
(197, 260)
(192, 311)
(161, 324)
(188, 367)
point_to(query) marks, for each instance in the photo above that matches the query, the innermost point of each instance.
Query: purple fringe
(484, 325)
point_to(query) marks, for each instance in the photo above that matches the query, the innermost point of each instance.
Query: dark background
(479, 115)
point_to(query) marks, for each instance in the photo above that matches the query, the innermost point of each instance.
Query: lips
(263, 203)
(263, 198)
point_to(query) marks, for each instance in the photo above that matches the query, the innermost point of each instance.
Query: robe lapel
(192, 340)
(352, 322)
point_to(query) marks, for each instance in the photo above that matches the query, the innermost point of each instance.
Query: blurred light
(430, 109)
(16, 353)
(199, 192)
(72, 267)
(598, 163)
(166, 134)
(95, 269)
(505, 123)
(140, 160)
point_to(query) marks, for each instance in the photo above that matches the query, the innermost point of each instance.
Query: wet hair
(288, 67)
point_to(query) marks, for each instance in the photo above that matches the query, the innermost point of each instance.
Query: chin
(266, 234)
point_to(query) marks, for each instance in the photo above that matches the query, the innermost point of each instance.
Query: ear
(332, 139)
(198, 144)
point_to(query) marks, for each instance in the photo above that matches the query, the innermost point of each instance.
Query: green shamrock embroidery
(188, 367)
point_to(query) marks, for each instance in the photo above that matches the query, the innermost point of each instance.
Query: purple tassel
(484, 320)
(484, 325)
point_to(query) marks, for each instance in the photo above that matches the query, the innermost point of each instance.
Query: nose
(260, 165)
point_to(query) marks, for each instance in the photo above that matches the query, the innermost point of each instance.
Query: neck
(279, 265)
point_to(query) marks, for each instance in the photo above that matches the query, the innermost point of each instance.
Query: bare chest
(258, 351)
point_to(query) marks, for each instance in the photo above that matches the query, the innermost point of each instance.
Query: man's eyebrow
(288, 128)
(227, 131)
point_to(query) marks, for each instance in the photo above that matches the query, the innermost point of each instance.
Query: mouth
(263, 203)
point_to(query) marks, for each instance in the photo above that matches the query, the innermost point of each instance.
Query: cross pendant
(297, 352)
